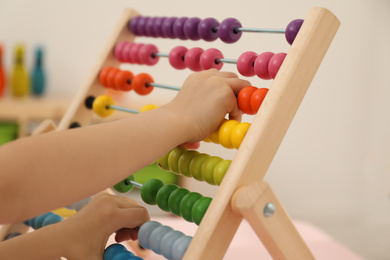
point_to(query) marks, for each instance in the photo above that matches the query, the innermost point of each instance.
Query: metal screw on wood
(269, 209)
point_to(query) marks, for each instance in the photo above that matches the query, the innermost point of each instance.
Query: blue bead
(112, 250)
(37, 223)
(51, 219)
(12, 235)
(167, 243)
(123, 255)
(145, 231)
(156, 237)
(180, 247)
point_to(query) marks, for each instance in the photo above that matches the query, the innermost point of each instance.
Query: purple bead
(191, 28)
(141, 25)
(149, 27)
(208, 29)
(292, 30)
(157, 26)
(227, 30)
(133, 23)
(178, 28)
(167, 27)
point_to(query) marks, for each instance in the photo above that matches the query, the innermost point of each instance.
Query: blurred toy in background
(38, 81)
(19, 79)
(2, 76)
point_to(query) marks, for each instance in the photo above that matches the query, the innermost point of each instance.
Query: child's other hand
(88, 231)
(204, 100)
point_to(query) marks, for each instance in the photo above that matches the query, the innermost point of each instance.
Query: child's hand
(87, 232)
(205, 98)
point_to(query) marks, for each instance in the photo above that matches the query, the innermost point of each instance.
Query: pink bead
(275, 63)
(176, 57)
(118, 51)
(147, 55)
(245, 63)
(192, 58)
(261, 65)
(209, 59)
(133, 54)
(126, 52)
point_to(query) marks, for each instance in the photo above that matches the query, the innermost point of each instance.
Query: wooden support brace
(258, 204)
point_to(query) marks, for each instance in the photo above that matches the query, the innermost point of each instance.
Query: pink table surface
(246, 244)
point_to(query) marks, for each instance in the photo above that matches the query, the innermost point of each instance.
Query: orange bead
(141, 84)
(103, 76)
(111, 78)
(257, 98)
(243, 100)
(123, 80)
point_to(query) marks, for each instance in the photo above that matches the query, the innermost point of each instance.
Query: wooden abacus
(243, 193)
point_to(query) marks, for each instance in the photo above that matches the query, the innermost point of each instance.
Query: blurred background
(332, 168)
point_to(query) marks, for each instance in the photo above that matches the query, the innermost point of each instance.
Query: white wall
(333, 165)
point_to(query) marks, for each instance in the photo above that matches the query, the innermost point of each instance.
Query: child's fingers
(237, 84)
(126, 234)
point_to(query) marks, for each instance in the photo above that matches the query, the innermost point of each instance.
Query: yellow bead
(238, 134)
(225, 132)
(148, 107)
(101, 106)
(207, 140)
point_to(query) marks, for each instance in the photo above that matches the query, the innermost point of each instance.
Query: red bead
(192, 58)
(245, 63)
(111, 78)
(103, 76)
(261, 65)
(141, 84)
(209, 59)
(243, 100)
(147, 55)
(275, 63)
(123, 80)
(257, 98)
(126, 52)
(176, 57)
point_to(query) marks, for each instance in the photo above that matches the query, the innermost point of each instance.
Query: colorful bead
(176, 57)
(173, 159)
(148, 107)
(101, 106)
(156, 238)
(220, 171)
(261, 65)
(163, 162)
(206, 29)
(103, 76)
(167, 243)
(184, 162)
(157, 26)
(118, 50)
(292, 30)
(43, 220)
(141, 84)
(187, 203)
(257, 98)
(141, 25)
(178, 28)
(123, 80)
(126, 53)
(209, 59)
(175, 199)
(227, 30)
(124, 186)
(114, 250)
(275, 63)
(238, 134)
(208, 167)
(146, 54)
(199, 209)
(133, 23)
(167, 27)
(180, 246)
(149, 27)
(133, 53)
(190, 28)
(224, 133)
(163, 196)
(192, 59)
(243, 100)
(145, 232)
(245, 63)
(149, 191)
(111, 78)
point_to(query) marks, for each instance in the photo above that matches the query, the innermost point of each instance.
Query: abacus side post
(258, 204)
(266, 133)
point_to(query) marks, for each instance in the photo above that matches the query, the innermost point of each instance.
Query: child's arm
(48, 171)
(82, 236)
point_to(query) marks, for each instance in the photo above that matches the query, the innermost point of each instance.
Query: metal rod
(260, 30)
(128, 110)
(158, 85)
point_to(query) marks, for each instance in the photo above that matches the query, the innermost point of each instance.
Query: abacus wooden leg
(258, 204)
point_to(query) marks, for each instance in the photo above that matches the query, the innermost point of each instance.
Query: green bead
(199, 209)
(175, 199)
(187, 203)
(220, 171)
(184, 162)
(208, 167)
(173, 159)
(124, 186)
(163, 196)
(149, 191)
(163, 162)
(196, 166)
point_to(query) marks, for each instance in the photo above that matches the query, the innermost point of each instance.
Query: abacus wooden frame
(242, 193)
